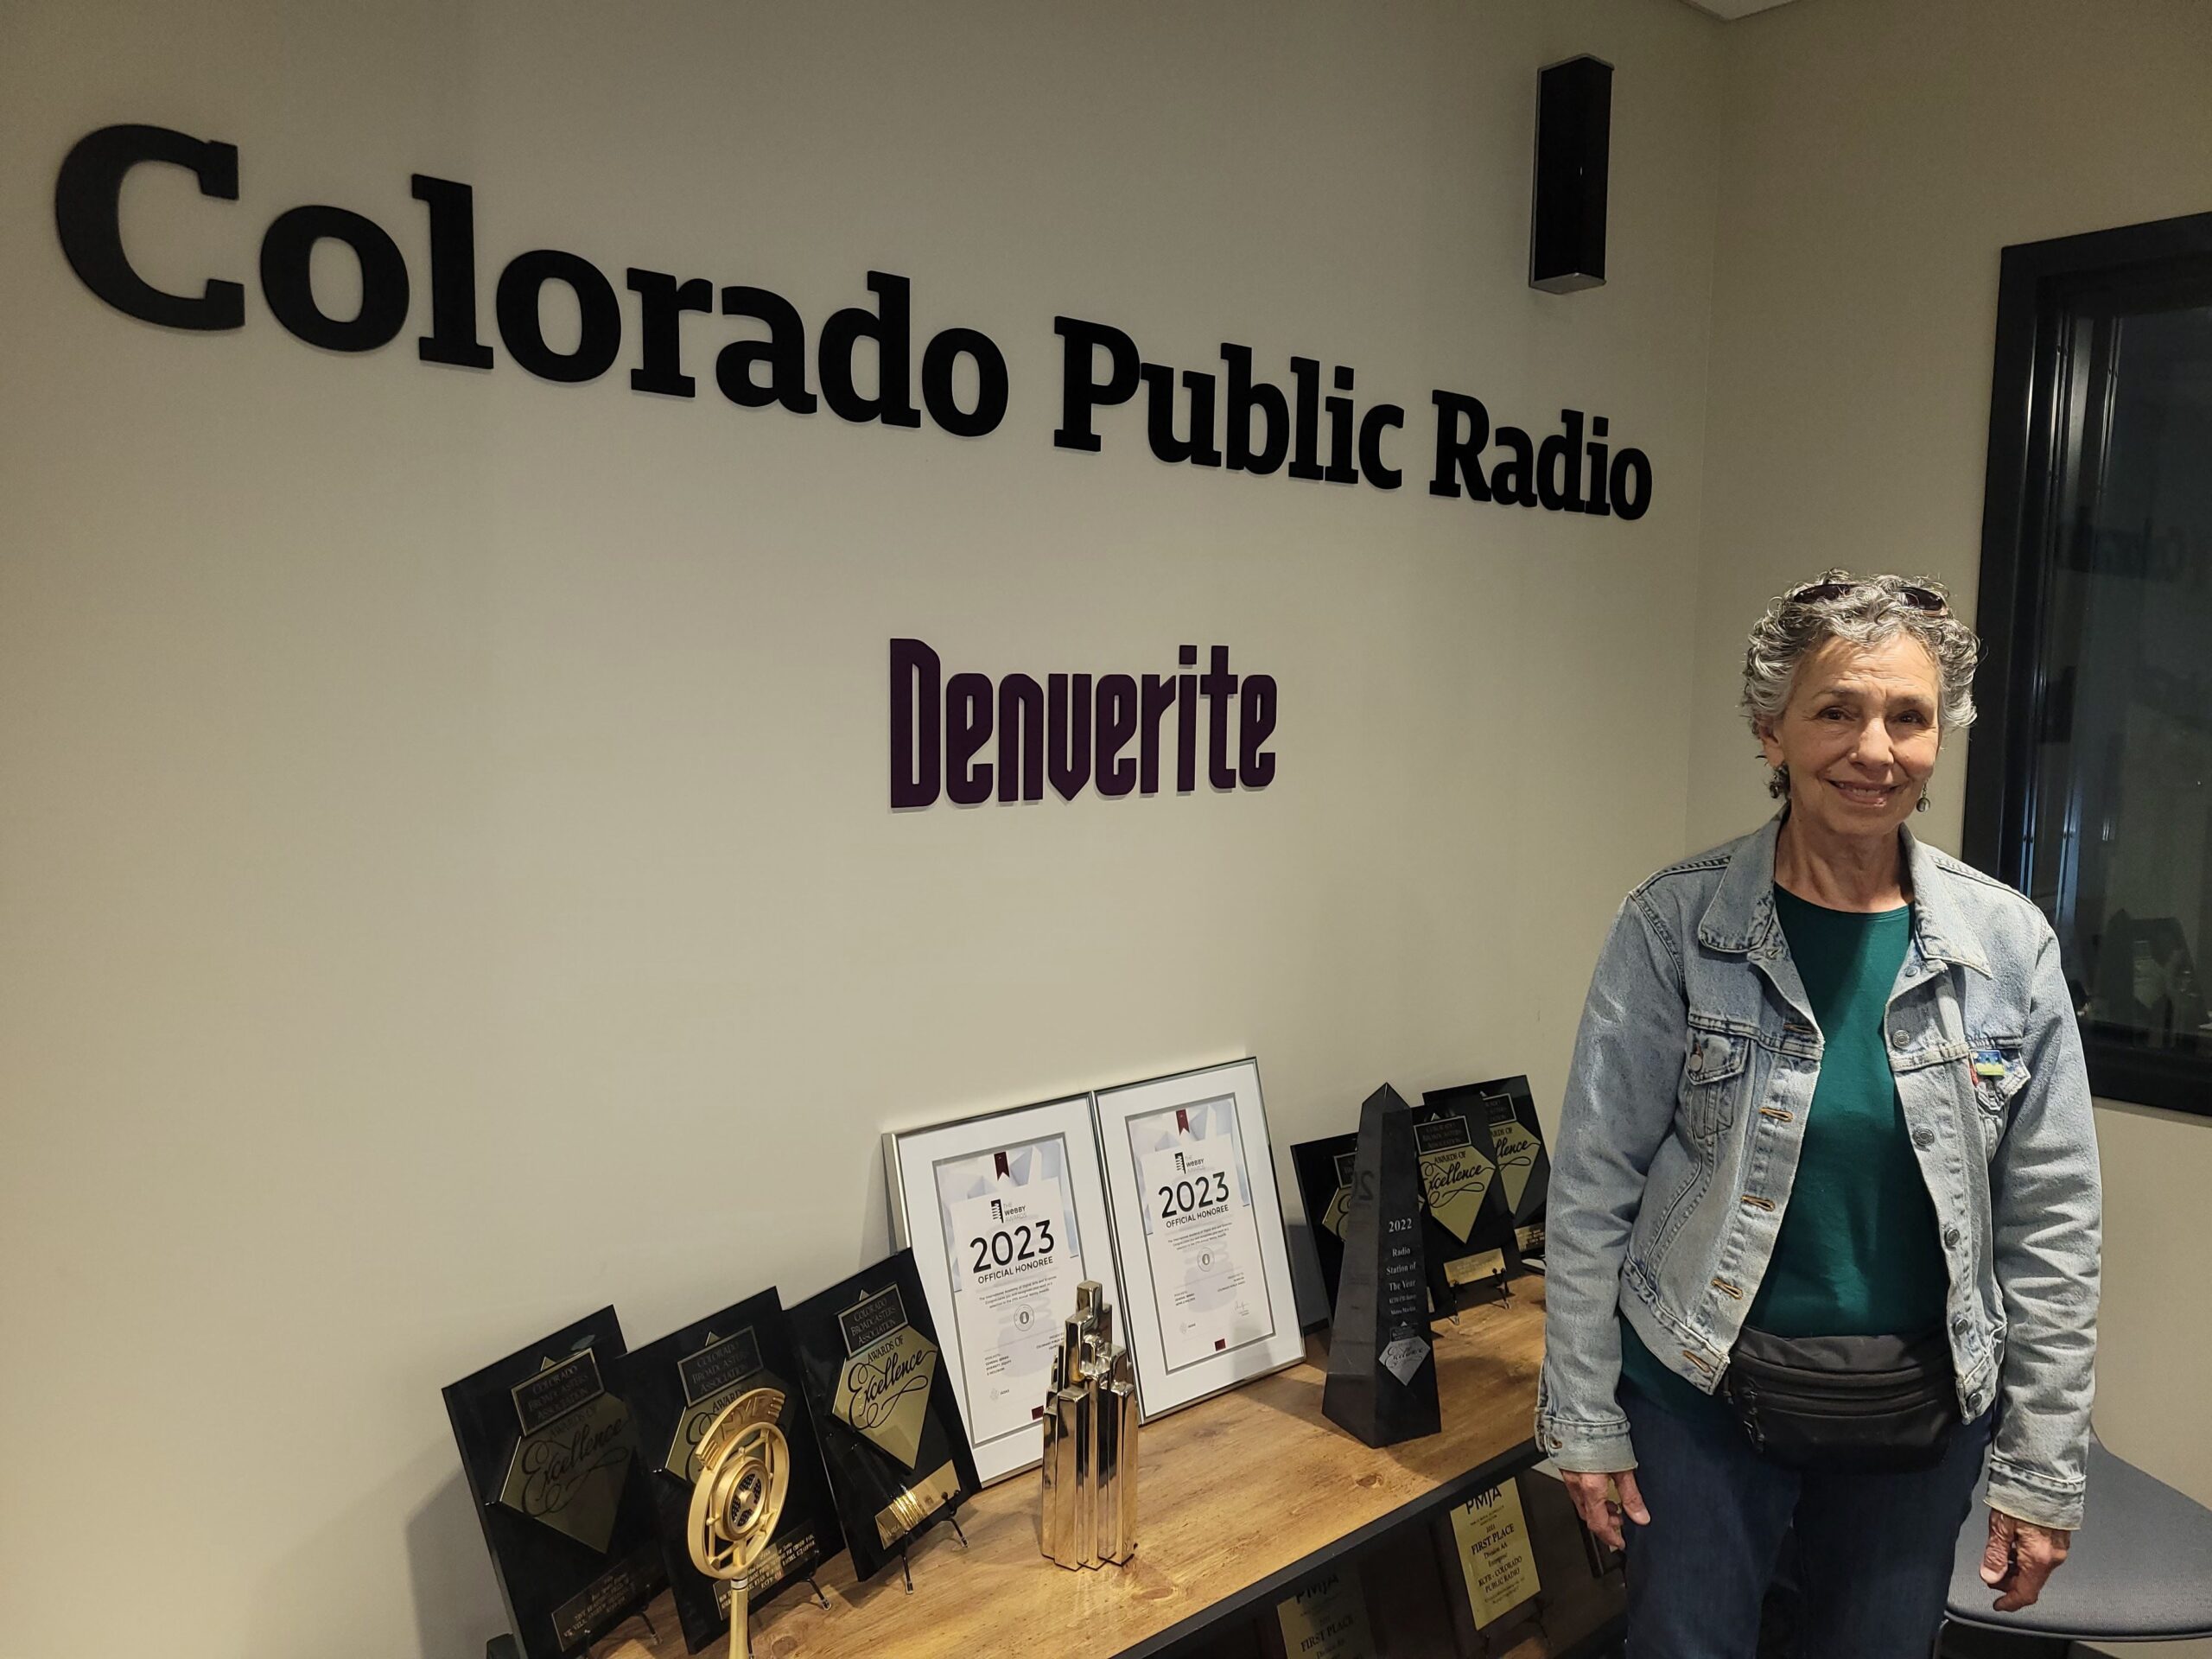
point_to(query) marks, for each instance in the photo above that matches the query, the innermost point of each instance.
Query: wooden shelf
(1239, 1498)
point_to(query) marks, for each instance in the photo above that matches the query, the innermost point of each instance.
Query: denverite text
(1070, 729)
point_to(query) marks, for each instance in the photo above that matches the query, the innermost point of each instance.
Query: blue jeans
(1874, 1550)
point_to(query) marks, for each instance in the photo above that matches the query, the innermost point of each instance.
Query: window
(2090, 783)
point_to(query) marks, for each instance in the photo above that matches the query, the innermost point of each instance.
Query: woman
(1824, 1212)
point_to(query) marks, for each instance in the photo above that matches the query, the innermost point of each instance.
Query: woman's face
(1858, 735)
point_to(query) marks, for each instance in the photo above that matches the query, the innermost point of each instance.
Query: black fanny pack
(1870, 1403)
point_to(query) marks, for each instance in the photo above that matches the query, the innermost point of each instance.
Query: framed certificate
(1006, 1214)
(1198, 1231)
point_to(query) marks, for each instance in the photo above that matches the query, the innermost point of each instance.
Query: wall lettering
(972, 742)
(1301, 423)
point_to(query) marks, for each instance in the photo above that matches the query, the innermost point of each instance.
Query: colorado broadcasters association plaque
(1503, 1111)
(892, 1435)
(677, 1387)
(551, 1458)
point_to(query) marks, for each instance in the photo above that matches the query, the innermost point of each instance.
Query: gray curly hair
(1866, 610)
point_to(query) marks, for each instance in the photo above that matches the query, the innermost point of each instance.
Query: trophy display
(551, 1455)
(1091, 1414)
(677, 1387)
(892, 1435)
(1381, 1380)
(1505, 1111)
(745, 1474)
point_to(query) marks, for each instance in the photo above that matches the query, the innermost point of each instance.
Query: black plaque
(1324, 1171)
(677, 1387)
(1507, 1113)
(891, 1432)
(1381, 1383)
(551, 1454)
(1470, 1232)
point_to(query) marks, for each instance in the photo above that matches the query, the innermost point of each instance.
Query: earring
(1921, 805)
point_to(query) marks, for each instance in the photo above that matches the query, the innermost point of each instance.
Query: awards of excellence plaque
(1504, 1112)
(891, 1434)
(1471, 1232)
(1382, 1381)
(677, 1387)
(551, 1456)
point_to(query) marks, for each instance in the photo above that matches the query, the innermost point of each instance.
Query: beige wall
(446, 882)
(444, 811)
(1876, 157)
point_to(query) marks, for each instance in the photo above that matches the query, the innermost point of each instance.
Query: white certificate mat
(1016, 1251)
(1201, 1244)
(1006, 1214)
(1198, 1233)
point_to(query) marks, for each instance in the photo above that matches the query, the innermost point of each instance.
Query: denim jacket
(1685, 1112)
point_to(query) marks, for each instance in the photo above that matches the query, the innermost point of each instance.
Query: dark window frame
(2029, 391)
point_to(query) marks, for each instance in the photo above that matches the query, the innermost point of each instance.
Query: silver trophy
(1091, 1441)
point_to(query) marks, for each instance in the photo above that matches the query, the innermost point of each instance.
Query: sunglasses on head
(1828, 588)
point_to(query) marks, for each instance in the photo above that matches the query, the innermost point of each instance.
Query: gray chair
(2140, 1569)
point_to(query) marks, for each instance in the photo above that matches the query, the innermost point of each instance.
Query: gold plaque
(1497, 1564)
(712, 1378)
(568, 1467)
(1340, 1200)
(916, 1504)
(1327, 1619)
(1455, 1176)
(1516, 1157)
(1473, 1269)
(883, 1388)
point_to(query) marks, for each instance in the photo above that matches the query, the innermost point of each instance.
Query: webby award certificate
(1202, 1238)
(1016, 1260)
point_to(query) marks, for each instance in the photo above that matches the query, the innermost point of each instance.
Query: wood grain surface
(1229, 1490)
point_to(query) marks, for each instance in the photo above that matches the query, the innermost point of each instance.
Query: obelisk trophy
(1382, 1381)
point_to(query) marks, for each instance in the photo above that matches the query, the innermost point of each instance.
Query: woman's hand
(2020, 1556)
(1594, 1502)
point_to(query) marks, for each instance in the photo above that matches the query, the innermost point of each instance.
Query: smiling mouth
(1865, 794)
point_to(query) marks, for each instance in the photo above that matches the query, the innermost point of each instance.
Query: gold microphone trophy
(744, 1472)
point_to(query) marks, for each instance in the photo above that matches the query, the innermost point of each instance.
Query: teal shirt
(1858, 1253)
